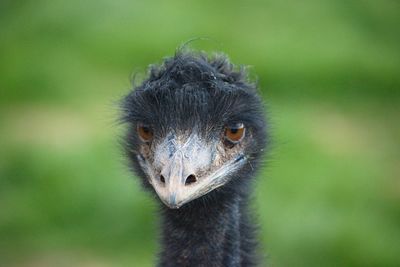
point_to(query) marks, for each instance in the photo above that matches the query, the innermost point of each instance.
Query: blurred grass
(328, 70)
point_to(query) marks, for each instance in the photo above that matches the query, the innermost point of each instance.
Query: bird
(195, 137)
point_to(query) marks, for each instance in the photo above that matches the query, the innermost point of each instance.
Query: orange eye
(145, 132)
(235, 133)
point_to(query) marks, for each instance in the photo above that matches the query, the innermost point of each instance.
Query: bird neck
(203, 233)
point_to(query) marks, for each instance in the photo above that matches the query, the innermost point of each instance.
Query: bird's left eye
(235, 133)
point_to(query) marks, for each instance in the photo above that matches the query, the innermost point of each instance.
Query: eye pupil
(234, 130)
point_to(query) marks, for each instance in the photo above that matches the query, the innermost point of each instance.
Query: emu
(195, 136)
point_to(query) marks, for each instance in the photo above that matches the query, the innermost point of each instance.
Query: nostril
(162, 179)
(190, 179)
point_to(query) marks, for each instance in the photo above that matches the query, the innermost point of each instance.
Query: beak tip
(173, 206)
(171, 202)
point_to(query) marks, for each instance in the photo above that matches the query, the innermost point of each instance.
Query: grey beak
(179, 159)
(185, 169)
(177, 175)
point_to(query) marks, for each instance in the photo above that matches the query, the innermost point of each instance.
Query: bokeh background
(329, 72)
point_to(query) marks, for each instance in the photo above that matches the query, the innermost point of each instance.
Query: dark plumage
(196, 132)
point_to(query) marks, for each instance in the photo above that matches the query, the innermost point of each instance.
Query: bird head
(194, 125)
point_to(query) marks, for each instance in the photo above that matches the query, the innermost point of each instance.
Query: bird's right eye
(145, 132)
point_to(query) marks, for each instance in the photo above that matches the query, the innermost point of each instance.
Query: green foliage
(329, 72)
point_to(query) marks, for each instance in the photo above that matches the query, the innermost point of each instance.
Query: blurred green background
(329, 72)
